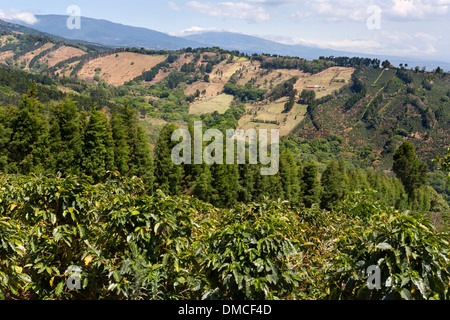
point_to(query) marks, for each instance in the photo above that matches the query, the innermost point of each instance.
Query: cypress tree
(5, 136)
(226, 183)
(289, 174)
(29, 146)
(409, 169)
(203, 189)
(121, 148)
(248, 175)
(65, 138)
(168, 176)
(98, 147)
(310, 184)
(333, 184)
(140, 155)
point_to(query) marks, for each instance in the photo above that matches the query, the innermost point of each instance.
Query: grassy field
(61, 54)
(30, 55)
(120, 68)
(219, 103)
(260, 115)
(273, 112)
(332, 79)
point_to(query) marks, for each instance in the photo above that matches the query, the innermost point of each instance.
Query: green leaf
(405, 294)
(59, 288)
(384, 246)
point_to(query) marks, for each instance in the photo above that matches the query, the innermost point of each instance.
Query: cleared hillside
(117, 69)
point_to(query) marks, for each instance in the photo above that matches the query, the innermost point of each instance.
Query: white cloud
(231, 10)
(343, 45)
(418, 9)
(198, 30)
(384, 43)
(272, 2)
(17, 15)
(356, 10)
(174, 6)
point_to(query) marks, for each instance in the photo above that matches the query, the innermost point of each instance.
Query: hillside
(396, 103)
(367, 110)
(87, 175)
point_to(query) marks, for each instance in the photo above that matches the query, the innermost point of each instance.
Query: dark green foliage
(411, 256)
(168, 176)
(290, 175)
(359, 90)
(311, 188)
(121, 147)
(28, 149)
(404, 76)
(285, 89)
(408, 168)
(98, 147)
(333, 184)
(131, 245)
(244, 93)
(65, 138)
(139, 153)
(307, 96)
(248, 256)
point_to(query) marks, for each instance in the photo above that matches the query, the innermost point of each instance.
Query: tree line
(60, 139)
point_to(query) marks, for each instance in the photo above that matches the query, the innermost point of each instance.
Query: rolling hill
(112, 34)
(396, 104)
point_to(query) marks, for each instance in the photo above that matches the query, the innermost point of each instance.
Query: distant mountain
(111, 34)
(14, 27)
(252, 44)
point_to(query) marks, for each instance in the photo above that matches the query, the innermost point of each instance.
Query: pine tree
(226, 183)
(203, 189)
(29, 147)
(5, 136)
(140, 155)
(310, 184)
(333, 184)
(65, 139)
(248, 174)
(409, 169)
(289, 174)
(98, 147)
(168, 176)
(121, 148)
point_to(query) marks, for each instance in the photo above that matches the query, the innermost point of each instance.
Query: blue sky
(409, 28)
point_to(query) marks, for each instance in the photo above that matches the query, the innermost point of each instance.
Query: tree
(310, 184)
(307, 96)
(444, 161)
(121, 148)
(203, 189)
(168, 176)
(409, 169)
(386, 64)
(5, 136)
(333, 184)
(28, 148)
(140, 155)
(98, 147)
(289, 173)
(65, 138)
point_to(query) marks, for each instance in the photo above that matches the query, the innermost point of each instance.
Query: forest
(80, 189)
(84, 182)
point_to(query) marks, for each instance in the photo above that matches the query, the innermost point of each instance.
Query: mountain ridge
(115, 34)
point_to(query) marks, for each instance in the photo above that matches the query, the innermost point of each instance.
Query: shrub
(412, 257)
